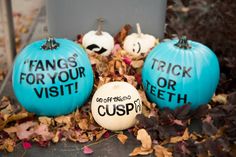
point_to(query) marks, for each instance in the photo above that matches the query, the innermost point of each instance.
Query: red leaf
(138, 78)
(127, 60)
(26, 145)
(87, 150)
(79, 38)
(106, 135)
(116, 49)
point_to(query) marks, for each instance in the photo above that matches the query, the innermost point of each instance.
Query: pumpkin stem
(139, 29)
(100, 26)
(183, 43)
(50, 44)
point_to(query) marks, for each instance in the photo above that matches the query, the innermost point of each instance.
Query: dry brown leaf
(184, 137)
(6, 115)
(102, 68)
(83, 124)
(117, 65)
(45, 120)
(78, 136)
(145, 100)
(145, 139)
(83, 138)
(10, 130)
(140, 151)
(122, 138)
(195, 135)
(145, 111)
(25, 130)
(119, 37)
(161, 151)
(42, 130)
(220, 98)
(9, 145)
(100, 133)
(137, 64)
(56, 138)
(4, 101)
(14, 117)
(94, 59)
(64, 120)
(131, 80)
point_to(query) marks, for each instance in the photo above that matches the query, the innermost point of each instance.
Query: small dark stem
(183, 43)
(50, 44)
(100, 26)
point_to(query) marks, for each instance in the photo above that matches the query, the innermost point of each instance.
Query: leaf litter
(207, 131)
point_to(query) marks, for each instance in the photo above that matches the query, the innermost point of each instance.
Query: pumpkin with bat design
(98, 41)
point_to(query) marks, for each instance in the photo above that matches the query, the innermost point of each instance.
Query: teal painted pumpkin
(52, 77)
(180, 72)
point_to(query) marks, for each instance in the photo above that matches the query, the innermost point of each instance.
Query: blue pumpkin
(52, 77)
(180, 72)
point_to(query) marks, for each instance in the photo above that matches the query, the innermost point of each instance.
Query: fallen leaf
(184, 137)
(119, 37)
(106, 135)
(146, 147)
(145, 100)
(99, 134)
(42, 130)
(25, 130)
(83, 138)
(208, 128)
(83, 124)
(45, 120)
(9, 145)
(87, 150)
(140, 151)
(14, 117)
(116, 49)
(138, 78)
(4, 101)
(65, 121)
(127, 60)
(56, 137)
(79, 39)
(220, 98)
(145, 139)
(26, 145)
(137, 64)
(77, 136)
(117, 66)
(131, 80)
(10, 130)
(161, 151)
(122, 138)
(182, 112)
